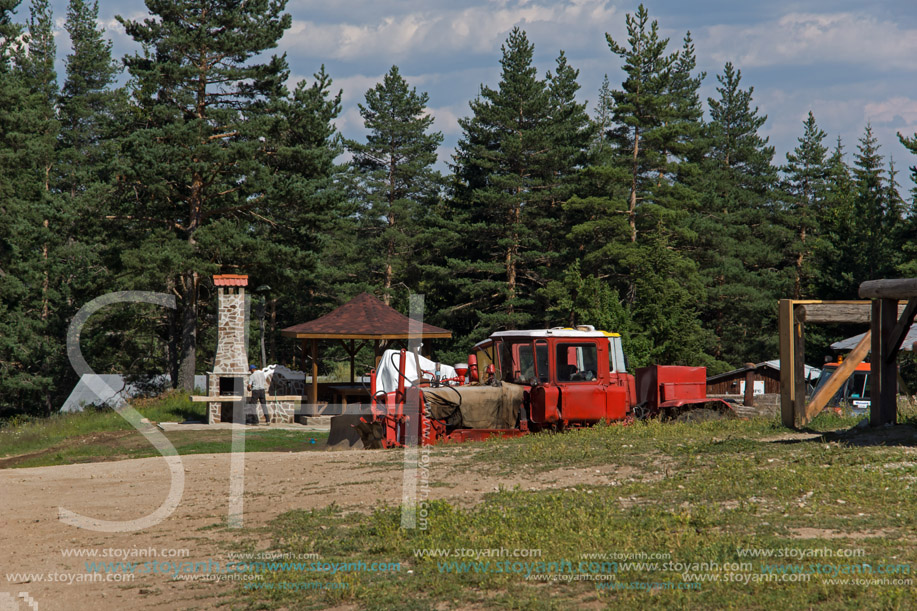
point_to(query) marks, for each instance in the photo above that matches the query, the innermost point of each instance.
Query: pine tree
(837, 248)
(602, 121)
(908, 265)
(88, 107)
(500, 172)
(741, 244)
(395, 175)
(571, 133)
(877, 211)
(630, 219)
(30, 335)
(312, 217)
(196, 169)
(641, 108)
(806, 174)
(91, 112)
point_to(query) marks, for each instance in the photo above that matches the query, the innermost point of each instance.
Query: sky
(849, 62)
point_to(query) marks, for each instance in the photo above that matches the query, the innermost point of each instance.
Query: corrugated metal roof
(851, 342)
(812, 373)
(365, 316)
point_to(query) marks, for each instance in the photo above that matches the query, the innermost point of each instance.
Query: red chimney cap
(231, 280)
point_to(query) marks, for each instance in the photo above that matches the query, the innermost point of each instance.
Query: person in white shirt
(257, 384)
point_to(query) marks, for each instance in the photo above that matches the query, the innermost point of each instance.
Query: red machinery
(530, 381)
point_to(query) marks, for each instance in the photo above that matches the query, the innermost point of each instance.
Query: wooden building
(765, 379)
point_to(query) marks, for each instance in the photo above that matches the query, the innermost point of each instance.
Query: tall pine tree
(500, 168)
(196, 160)
(31, 338)
(741, 243)
(805, 177)
(395, 177)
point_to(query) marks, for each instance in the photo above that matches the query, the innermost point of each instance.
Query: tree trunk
(272, 344)
(797, 288)
(512, 254)
(632, 200)
(188, 356)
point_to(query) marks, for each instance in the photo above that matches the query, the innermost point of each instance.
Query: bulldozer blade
(698, 412)
(344, 435)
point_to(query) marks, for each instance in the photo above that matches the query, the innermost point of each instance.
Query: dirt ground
(33, 537)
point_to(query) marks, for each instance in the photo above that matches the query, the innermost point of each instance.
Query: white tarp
(387, 373)
(112, 390)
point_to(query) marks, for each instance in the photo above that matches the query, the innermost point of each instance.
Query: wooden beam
(840, 311)
(750, 385)
(905, 320)
(902, 288)
(787, 368)
(852, 312)
(837, 379)
(883, 376)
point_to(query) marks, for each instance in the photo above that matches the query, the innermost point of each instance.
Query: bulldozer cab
(853, 394)
(544, 356)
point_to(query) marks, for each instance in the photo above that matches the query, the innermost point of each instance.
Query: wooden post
(353, 352)
(313, 395)
(799, 363)
(883, 376)
(750, 385)
(787, 367)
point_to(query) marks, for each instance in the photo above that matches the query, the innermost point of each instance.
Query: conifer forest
(650, 211)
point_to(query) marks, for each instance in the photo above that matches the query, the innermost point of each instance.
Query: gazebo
(355, 324)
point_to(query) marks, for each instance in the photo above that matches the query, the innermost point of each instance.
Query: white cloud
(446, 118)
(893, 110)
(476, 29)
(808, 39)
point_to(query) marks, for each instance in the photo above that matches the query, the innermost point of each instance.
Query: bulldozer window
(541, 360)
(522, 363)
(576, 362)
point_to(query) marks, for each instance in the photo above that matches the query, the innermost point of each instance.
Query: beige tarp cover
(481, 407)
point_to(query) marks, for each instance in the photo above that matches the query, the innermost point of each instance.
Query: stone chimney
(230, 365)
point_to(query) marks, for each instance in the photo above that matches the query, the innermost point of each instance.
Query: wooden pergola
(889, 321)
(362, 321)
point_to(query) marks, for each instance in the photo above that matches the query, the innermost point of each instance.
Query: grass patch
(101, 434)
(32, 434)
(717, 489)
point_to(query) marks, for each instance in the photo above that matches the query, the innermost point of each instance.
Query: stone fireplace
(229, 378)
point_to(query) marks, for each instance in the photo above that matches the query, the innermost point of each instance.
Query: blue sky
(849, 62)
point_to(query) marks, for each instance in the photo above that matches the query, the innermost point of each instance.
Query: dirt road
(37, 547)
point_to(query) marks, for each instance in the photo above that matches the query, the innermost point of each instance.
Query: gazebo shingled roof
(362, 318)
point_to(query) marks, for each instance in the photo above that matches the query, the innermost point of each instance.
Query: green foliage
(500, 181)
(806, 176)
(741, 235)
(644, 219)
(394, 180)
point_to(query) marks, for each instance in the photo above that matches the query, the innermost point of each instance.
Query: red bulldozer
(519, 382)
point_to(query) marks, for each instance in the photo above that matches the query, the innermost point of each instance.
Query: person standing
(257, 384)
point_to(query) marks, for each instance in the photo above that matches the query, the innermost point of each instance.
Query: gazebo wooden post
(353, 354)
(313, 394)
